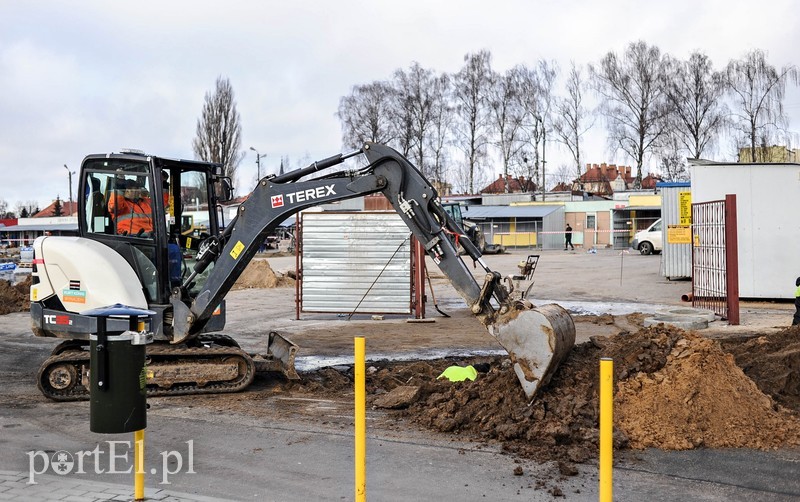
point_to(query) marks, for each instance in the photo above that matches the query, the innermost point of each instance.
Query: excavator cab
(138, 206)
(131, 246)
(133, 249)
(471, 230)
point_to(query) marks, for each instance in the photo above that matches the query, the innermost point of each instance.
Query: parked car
(649, 240)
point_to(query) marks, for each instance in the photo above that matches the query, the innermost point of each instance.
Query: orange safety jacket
(131, 216)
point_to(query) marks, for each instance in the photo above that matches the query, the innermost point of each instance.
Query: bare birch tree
(4, 212)
(536, 98)
(415, 96)
(472, 84)
(219, 129)
(632, 100)
(507, 115)
(757, 89)
(440, 132)
(671, 161)
(695, 95)
(572, 118)
(366, 115)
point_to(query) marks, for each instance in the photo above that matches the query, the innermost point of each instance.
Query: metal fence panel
(355, 262)
(709, 280)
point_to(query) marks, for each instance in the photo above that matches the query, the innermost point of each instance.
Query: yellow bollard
(606, 429)
(360, 421)
(138, 460)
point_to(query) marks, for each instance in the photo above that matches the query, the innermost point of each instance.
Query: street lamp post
(70, 187)
(259, 156)
(544, 161)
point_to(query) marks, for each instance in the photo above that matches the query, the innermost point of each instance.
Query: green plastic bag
(459, 374)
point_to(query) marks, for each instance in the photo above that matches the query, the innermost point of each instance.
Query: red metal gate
(715, 258)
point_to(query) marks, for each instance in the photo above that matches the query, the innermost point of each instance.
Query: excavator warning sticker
(237, 250)
(71, 295)
(277, 201)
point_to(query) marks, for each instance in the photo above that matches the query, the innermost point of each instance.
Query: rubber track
(165, 353)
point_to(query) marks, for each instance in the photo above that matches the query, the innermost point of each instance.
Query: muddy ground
(673, 389)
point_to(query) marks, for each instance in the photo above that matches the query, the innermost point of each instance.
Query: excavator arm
(417, 203)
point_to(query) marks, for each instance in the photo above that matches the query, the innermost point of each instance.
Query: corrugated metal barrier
(355, 263)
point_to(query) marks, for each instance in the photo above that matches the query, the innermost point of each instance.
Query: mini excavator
(183, 274)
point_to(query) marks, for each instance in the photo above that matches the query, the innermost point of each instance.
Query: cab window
(118, 209)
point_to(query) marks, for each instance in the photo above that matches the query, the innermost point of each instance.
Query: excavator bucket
(538, 340)
(279, 357)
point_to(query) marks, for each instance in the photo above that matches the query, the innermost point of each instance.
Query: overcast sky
(98, 76)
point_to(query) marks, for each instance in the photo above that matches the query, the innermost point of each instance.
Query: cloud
(98, 76)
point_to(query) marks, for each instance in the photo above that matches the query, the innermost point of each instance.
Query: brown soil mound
(700, 398)
(259, 274)
(562, 422)
(773, 362)
(15, 298)
(675, 390)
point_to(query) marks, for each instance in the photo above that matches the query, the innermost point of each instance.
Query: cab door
(120, 208)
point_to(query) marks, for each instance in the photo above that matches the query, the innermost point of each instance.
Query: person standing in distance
(568, 238)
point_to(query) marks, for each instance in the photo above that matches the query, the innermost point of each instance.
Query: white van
(649, 240)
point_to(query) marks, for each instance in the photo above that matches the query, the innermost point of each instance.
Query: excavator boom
(536, 339)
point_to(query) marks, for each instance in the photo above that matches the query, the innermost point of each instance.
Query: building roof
(605, 172)
(490, 212)
(673, 184)
(515, 185)
(650, 181)
(50, 227)
(638, 208)
(67, 209)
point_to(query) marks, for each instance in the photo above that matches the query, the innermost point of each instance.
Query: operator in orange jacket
(131, 209)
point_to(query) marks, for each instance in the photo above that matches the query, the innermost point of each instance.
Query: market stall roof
(638, 208)
(60, 227)
(492, 212)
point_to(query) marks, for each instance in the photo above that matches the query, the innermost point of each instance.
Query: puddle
(312, 363)
(579, 308)
(600, 308)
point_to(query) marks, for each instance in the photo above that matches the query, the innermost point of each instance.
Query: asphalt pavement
(262, 460)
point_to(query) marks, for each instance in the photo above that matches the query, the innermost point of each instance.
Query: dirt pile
(700, 398)
(561, 424)
(259, 274)
(772, 361)
(15, 298)
(674, 390)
